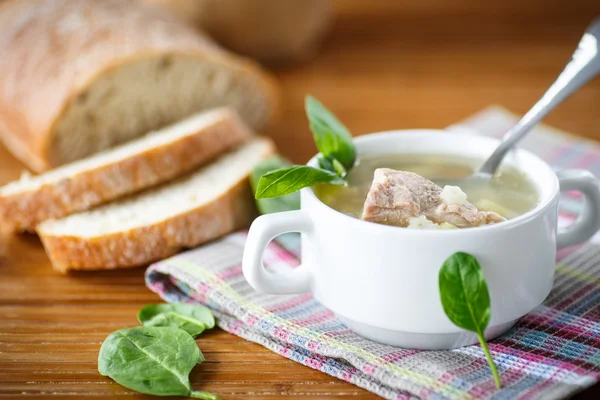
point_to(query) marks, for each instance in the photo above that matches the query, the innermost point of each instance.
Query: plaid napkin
(551, 353)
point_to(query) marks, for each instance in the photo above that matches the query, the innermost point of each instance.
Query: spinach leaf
(151, 360)
(466, 300)
(193, 319)
(331, 137)
(192, 326)
(288, 180)
(271, 205)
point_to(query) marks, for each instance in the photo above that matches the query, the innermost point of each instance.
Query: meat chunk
(397, 196)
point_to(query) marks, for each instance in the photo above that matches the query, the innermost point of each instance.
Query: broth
(509, 193)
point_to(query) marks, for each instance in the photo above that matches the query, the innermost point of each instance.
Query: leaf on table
(193, 318)
(150, 360)
(175, 320)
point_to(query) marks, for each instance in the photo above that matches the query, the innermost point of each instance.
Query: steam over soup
(427, 191)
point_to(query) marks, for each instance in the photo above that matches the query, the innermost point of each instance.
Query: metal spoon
(584, 65)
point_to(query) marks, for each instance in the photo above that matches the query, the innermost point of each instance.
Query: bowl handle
(588, 221)
(264, 229)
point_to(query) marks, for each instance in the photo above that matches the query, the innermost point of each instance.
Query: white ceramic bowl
(382, 281)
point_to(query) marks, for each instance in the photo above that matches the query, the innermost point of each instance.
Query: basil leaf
(151, 360)
(288, 180)
(338, 168)
(325, 163)
(331, 137)
(192, 318)
(333, 165)
(466, 299)
(272, 205)
(338, 155)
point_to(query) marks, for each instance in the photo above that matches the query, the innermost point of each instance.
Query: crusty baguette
(81, 76)
(159, 222)
(125, 169)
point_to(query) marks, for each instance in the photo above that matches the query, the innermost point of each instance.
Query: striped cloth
(551, 353)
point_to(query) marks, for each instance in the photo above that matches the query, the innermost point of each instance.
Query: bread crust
(140, 246)
(53, 51)
(24, 210)
(232, 210)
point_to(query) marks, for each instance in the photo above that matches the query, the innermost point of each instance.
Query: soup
(509, 193)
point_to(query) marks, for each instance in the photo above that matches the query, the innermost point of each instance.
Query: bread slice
(81, 76)
(151, 225)
(139, 164)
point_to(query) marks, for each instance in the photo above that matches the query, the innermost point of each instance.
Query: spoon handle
(584, 65)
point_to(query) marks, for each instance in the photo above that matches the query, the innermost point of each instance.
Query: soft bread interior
(143, 95)
(156, 205)
(155, 139)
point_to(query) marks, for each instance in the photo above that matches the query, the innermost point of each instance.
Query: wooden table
(386, 64)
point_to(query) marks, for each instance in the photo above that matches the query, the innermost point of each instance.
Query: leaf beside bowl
(466, 299)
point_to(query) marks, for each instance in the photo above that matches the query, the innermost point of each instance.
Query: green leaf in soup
(325, 163)
(276, 204)
(339, 168)
(331, 137)
(192, 318)
(288, 180)
(466, 299)
(333, 165)
(151, 360)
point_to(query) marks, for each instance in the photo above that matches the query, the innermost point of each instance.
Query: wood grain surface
(385, 65)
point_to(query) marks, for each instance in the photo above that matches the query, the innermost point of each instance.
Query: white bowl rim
(511, 223)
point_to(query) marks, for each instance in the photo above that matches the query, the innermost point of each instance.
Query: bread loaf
(141, 163)
(157, 223)
(81, 76)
